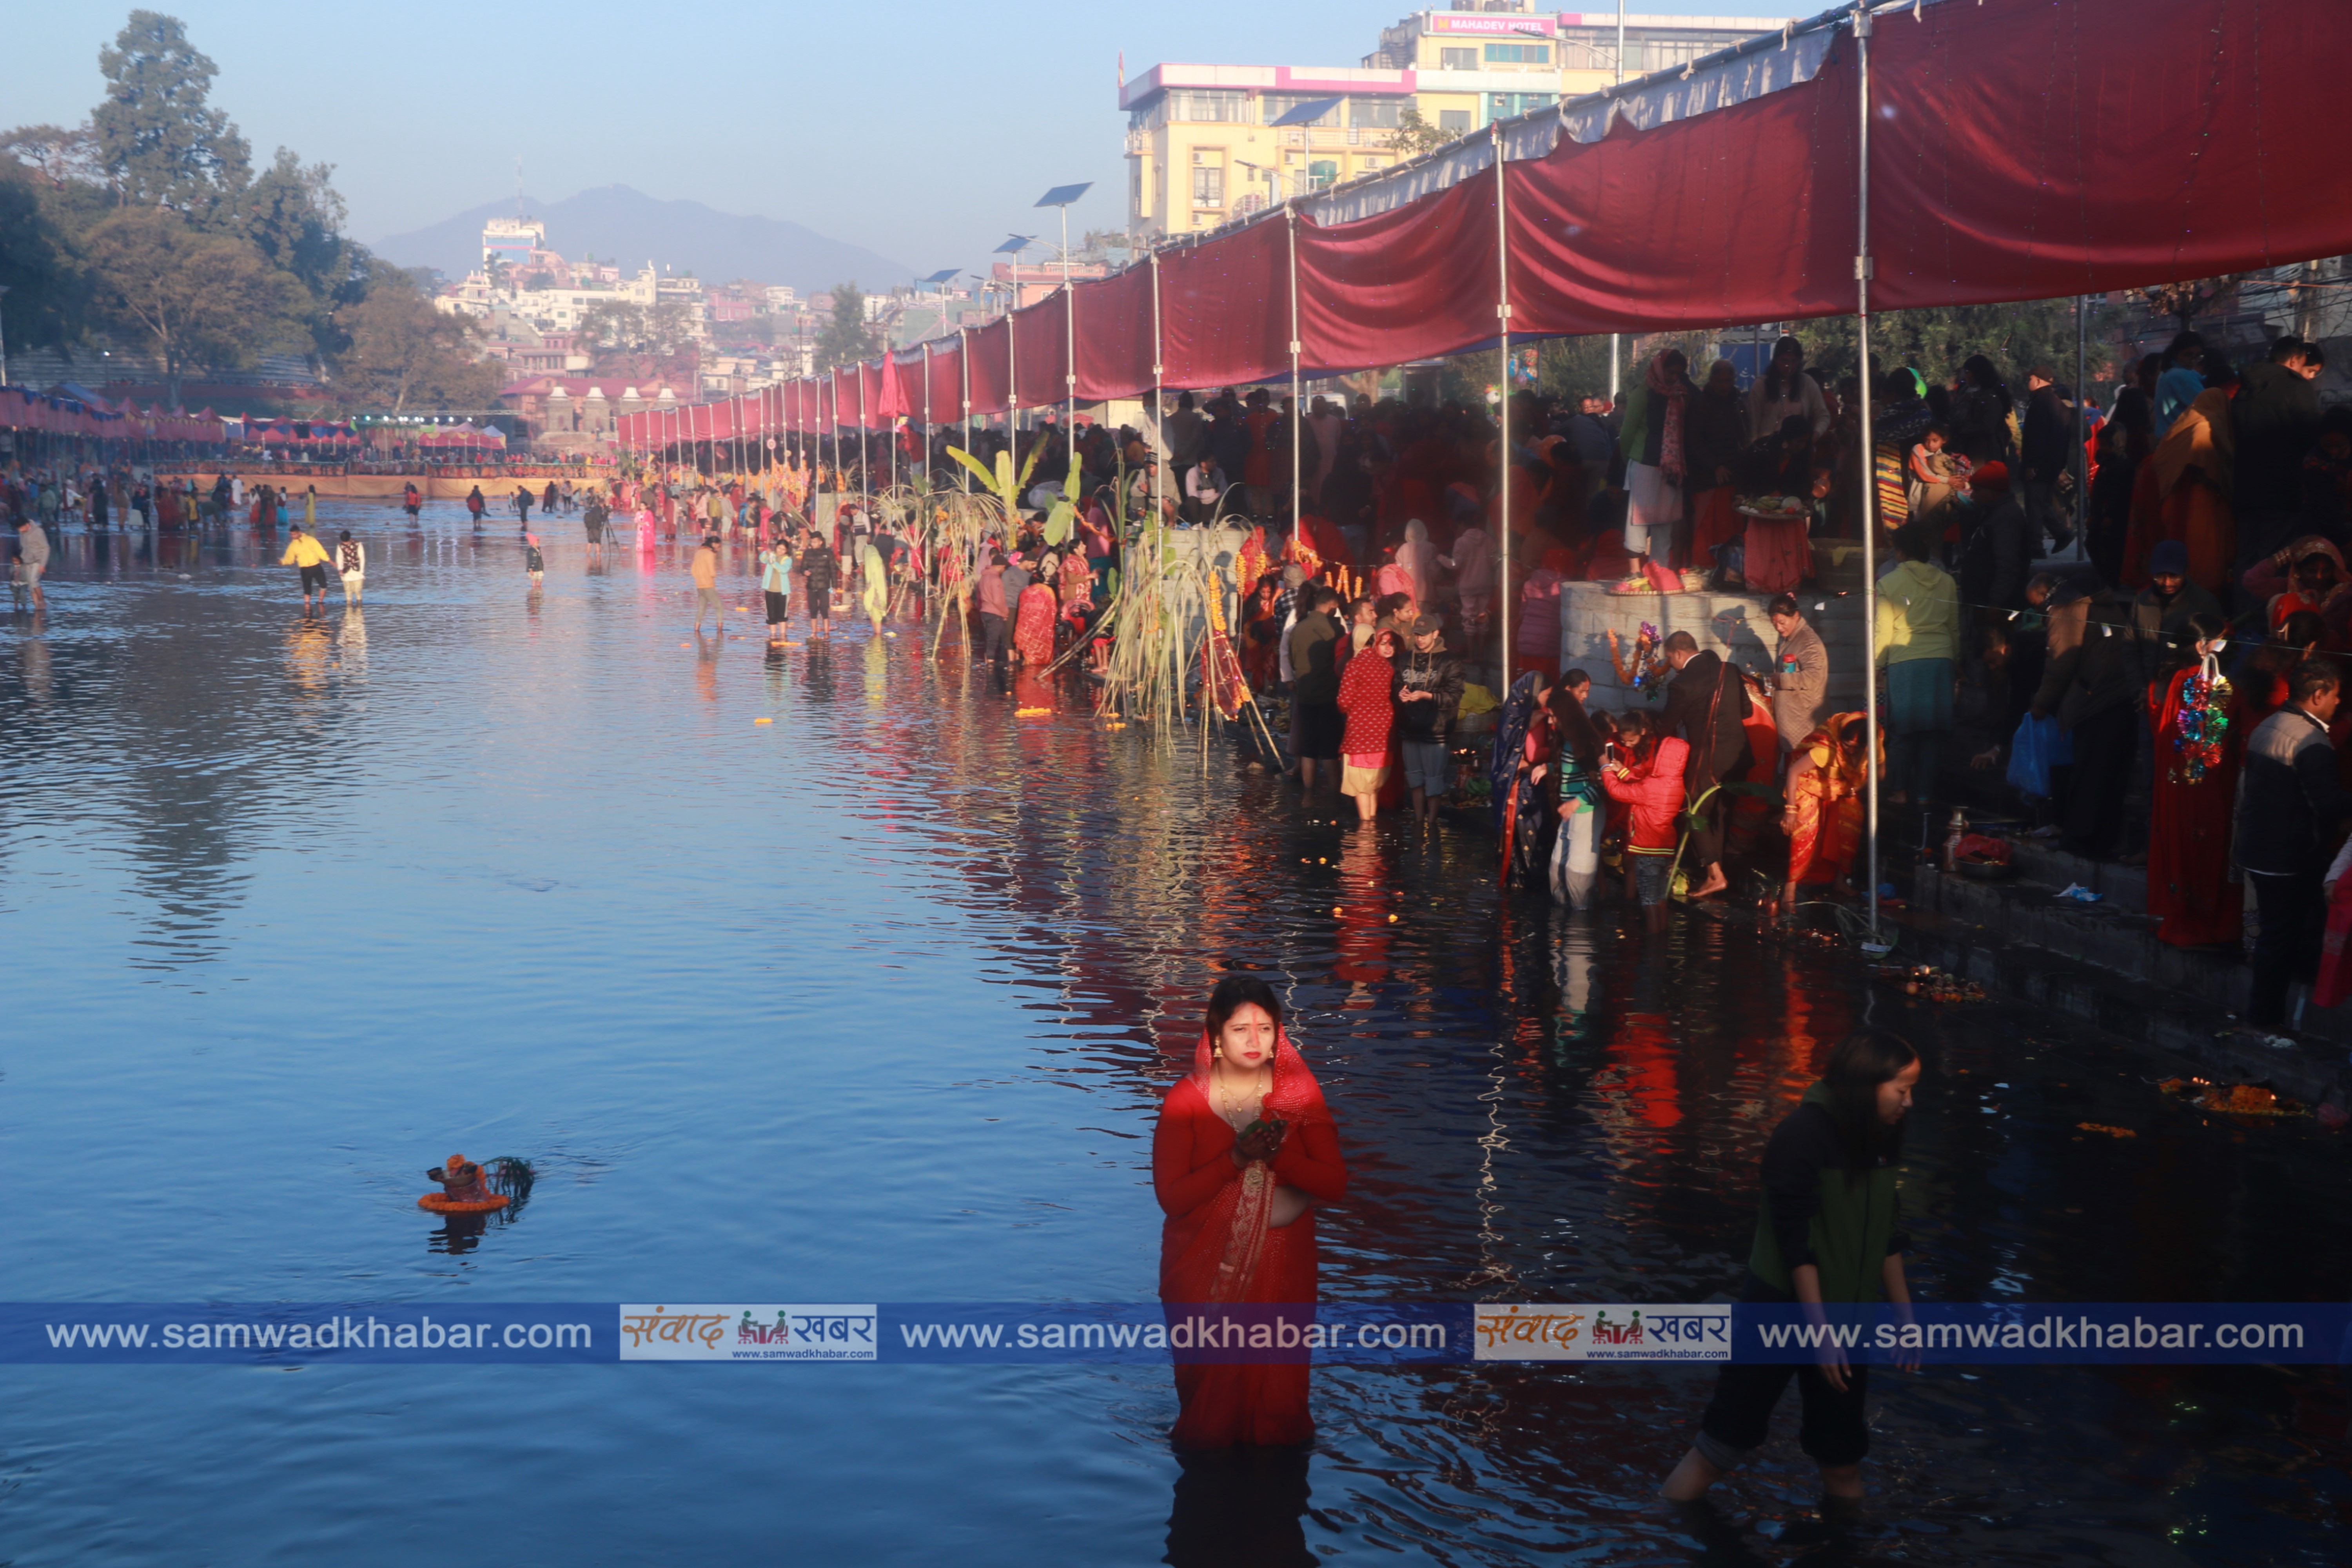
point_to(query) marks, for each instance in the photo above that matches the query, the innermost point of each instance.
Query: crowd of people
(2117, 698)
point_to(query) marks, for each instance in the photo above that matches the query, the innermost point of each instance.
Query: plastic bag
(2039, 745)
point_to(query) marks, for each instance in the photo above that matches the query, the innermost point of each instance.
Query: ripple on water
(875, 1002)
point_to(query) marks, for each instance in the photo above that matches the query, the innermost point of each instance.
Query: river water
(873, 1002)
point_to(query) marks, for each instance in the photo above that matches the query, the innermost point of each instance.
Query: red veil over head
(1216, 1253)
(1295, 1097)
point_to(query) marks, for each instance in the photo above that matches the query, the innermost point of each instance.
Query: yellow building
(1202, 147)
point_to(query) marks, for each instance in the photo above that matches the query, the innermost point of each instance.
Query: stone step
(2027, 913)
(2313, 1069)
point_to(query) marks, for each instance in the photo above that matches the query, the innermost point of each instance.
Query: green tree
(292, 216)
(1413, 135)
(2184, 302)
(405, 353)
(192, 299)
(160, 141)
(1936, 340)
(48, 291)
(846, 338)
(629, 327)
(57, 155)
(614, 324)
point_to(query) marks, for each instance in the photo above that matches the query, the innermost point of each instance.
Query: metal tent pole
(963, 372)
(1869, 468)
(1162, 453)
(1069, 335)
(1503, 333)
(1621, 82)
(1297, 409)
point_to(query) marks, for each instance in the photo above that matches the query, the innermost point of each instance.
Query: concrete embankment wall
(1732, 625)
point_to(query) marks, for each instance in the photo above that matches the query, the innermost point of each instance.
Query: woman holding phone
(1245, 1149)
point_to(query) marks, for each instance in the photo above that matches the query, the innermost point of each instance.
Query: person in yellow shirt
(1918, 662)
(705, 566)
(303, 551)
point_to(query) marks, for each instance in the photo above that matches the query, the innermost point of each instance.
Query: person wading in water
(1245, 1150)
(1829, 1232)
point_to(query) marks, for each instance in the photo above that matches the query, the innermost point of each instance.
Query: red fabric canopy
(1115, 335)
(1743, 215)
(1041, 344)
(2026, 150)
(988, 347)
(1224, 309)
(1406, 284)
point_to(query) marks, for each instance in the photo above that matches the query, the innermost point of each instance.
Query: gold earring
(1216, 1050)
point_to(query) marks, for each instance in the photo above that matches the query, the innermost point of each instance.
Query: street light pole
(1060, 197)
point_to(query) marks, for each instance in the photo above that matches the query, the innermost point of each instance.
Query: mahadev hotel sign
(1504, 25)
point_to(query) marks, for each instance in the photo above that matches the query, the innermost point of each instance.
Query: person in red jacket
(1644, 771)
(1366, 698)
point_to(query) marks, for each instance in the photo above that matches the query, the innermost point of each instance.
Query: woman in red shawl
(1245, 1150)
(1367, 698)
(2199, 744)
(1033, 625)
(1261, 635)
(1823, 819)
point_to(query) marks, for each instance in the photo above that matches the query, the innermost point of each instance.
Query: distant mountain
(628, 228)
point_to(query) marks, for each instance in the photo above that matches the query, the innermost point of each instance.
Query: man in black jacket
(1315, 724)
(2289, 807)
(1428, 690)
(2047, 451)
(1707, 703)
(2274, 420)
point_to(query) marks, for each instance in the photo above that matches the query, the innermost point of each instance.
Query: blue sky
(922, 130)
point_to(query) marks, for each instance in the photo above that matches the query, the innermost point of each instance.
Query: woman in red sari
(1245, 1150)
(1823, 819)
(1033, 626)
(1261, 631)
(2198, 745)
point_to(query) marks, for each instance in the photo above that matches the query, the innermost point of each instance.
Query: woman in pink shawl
(1472, 561)
(1416, 558)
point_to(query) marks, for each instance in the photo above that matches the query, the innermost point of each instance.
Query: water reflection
(975, 957)
(1243, 1509)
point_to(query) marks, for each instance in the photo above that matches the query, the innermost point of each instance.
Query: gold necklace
(1224, 1102)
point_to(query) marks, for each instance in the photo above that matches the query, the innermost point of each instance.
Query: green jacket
(1855, 1227)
